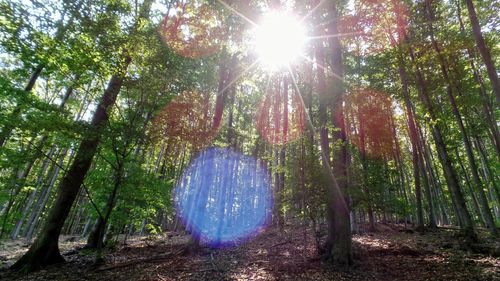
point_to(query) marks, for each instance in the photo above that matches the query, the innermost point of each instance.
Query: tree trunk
(456, 113)
(339, 230)
(427, 186)
(33, 195)
(45, 250)
(488, 174)
(475, 203)
(96, 237)
(485, 102)
(483, 49)
(7, 129)
(433, 175)
(18, 179)
(42, 200)
(413, 140)
(463, 215)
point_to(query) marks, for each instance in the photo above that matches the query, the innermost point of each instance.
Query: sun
(279, 39)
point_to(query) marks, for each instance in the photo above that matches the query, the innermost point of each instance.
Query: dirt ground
(392, 253)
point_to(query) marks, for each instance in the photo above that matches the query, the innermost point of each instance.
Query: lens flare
(188, 118)
(281, 115)
(381, 25)
(369, 115)
(224, 196)
(192, 29)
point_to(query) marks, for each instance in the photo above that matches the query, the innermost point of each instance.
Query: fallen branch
(282, 243)
(137, 261)
(189, 269)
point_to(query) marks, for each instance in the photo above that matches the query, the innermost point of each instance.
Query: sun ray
(328, 72)
(316, 63)
(335, 35)
(239, 76)
(268, 83)
(311, 11)
(336, 187)
(237, 13)
(297, 92)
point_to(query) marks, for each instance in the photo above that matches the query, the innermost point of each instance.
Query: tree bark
(44, 197)
(456, 113)
(485, 102)
(483, 49)
(451, 177)
(96, 237)
(413, 139)
(45, 250)
(32, 196)
(475, 204)
(7, 129)
(339, 229)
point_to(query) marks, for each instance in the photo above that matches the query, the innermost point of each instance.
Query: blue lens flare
(224, 196)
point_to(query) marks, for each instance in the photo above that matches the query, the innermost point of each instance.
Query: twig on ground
(133, 262)
(282, 243)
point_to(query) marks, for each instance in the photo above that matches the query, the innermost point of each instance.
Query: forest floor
(392, 253)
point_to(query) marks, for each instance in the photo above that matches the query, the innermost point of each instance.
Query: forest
(249, 140)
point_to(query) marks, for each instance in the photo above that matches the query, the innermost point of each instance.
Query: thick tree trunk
(226, 76)
(340, 230)
(324, 100)
(232, 136)
(45, 250)
(37, 210)
(338, 244)
(221, 93)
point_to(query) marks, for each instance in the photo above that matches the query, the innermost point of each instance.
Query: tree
(483, 49)
(45, 250)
